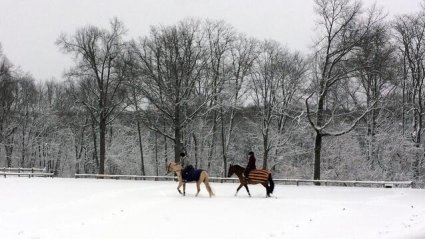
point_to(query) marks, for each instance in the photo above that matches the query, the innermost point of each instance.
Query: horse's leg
(265, 184)
(179, 186)
(207, 183)
(237, 190)
(184, 188)
(198, 186)
(247, 189)
(271, 184)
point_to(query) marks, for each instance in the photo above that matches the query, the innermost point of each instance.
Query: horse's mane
(238, 166)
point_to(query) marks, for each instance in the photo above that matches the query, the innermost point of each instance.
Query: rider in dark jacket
(251, 164)
(187, 168)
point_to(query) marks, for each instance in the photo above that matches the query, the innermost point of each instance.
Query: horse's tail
(271, 183)
(207, 185)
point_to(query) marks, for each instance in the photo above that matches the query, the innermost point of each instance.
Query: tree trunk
(142, 166)
(417, 162)
(23, 150)
(57, 163)
(403, 105)
(195, 142)
(266, 150)
(213, 140)
(177, 144)
(95, 158)
(9, 150)
(79, 148)
(165, 148)
(156, 154)
(318, 141)
(317, 152)
(223, 143)
(177, 133)
(102, 145)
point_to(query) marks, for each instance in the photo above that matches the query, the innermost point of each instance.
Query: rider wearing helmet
(187, 167)
(251, 164)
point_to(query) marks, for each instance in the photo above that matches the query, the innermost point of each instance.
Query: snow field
(46, 208)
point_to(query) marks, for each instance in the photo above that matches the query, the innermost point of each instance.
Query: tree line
(351, 108)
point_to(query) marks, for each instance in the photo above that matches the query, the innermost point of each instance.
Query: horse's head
(168, 168)
(173, 167)
(235, 169)
(231, 170)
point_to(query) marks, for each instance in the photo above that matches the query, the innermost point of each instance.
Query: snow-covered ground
(89, 208)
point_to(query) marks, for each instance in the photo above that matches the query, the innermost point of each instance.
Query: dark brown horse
(255, 176)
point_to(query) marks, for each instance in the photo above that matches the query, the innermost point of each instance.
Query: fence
(38, 172)
(134, 177)
(30, 172)
(387, 184)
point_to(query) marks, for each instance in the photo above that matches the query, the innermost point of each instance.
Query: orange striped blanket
(258, 175)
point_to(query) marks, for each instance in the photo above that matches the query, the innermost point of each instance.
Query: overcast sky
(29, 28)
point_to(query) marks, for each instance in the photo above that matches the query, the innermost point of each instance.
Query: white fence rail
(134, 177)
(19, 170)
(25, 172)
(38, 172)
(387, 184)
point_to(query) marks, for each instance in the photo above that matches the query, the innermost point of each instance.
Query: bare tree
(5, 66)
(172, 63)
(274, 83)
(135, 99)
(341, 28)
(410, 34)
(26, 98)
(265, 86)
(78, 120)
(289, 110)
(8, 107)
(243, 52)
(100, 67)
(220, 38)
(375, 62)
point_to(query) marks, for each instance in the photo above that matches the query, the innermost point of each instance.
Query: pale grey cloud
(29, 28)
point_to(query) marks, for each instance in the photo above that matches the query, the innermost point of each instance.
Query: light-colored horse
(203, 178)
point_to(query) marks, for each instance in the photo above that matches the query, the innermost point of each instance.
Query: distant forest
(351, 109)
